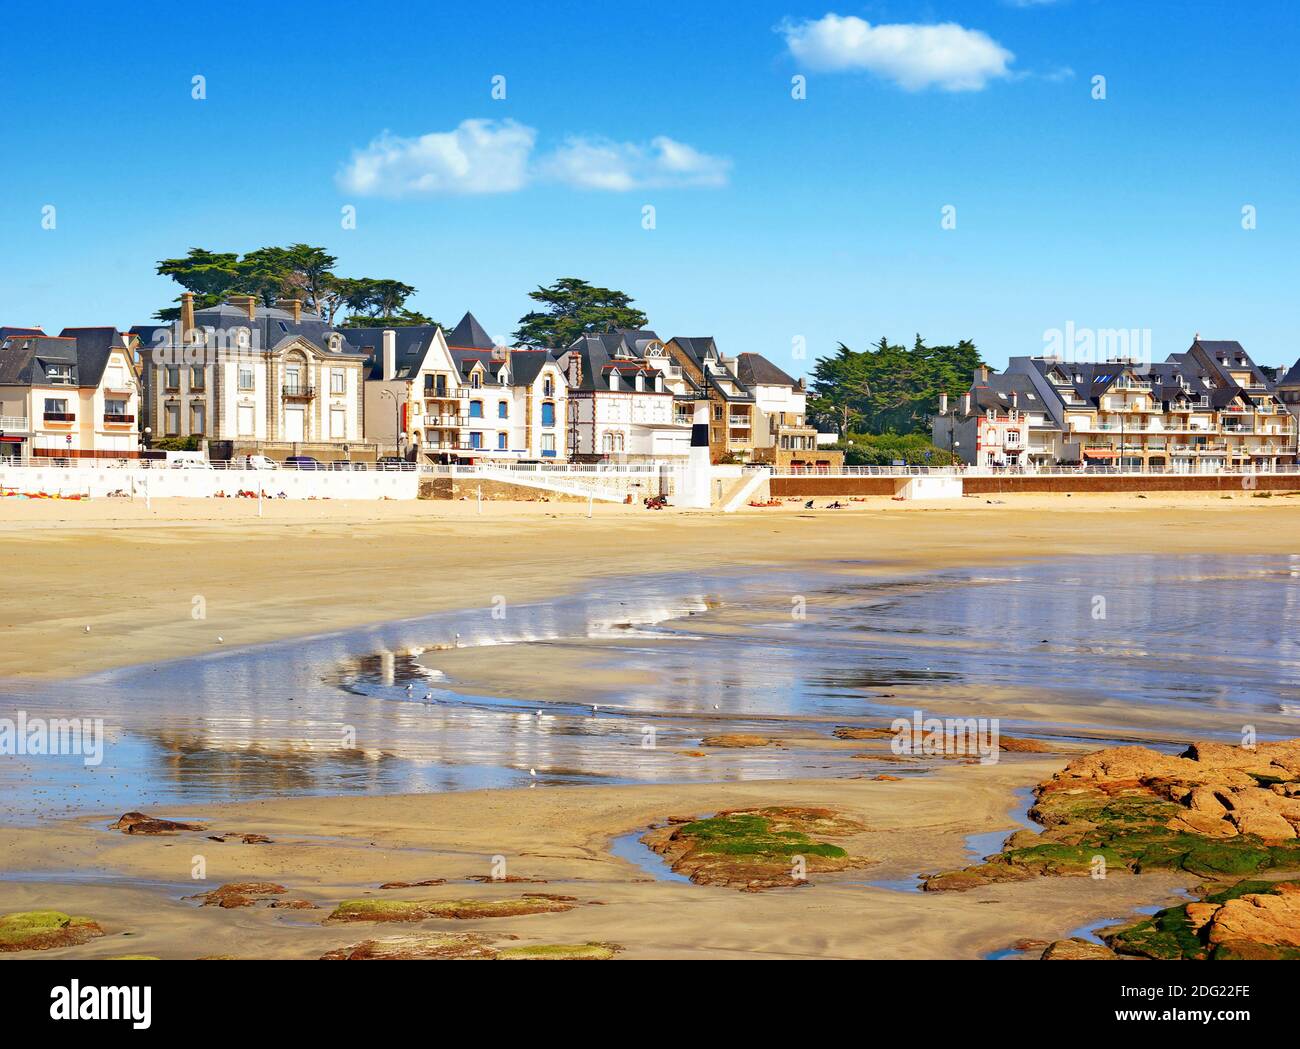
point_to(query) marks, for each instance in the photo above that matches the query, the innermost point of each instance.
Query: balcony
(297, 392)
(739, 420)
(117, 419)
(13, 423)
(446, 422)
(60, 417)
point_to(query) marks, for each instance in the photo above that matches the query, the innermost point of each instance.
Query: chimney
(982, 375)
(943, 404)
(247, 302)
(575, 370)
(294, 306)
(187, 315)
(965, 403)
(390, 353)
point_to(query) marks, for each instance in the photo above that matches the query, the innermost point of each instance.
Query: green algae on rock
(241, 894)
(585, 952)
(1250, 920)
(414, 946)
(367, 910)
(755, 849)
(45, 930)
(1130, 808)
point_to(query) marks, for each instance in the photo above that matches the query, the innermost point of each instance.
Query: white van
(254, 462)
(188, 461)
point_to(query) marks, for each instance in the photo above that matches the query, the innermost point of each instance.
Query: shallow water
(1169, 641)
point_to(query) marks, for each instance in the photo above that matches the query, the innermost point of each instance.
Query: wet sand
(303, 569)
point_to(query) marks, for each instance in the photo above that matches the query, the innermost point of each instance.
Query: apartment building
(74, 395)
(708, 375)
(1288, 389)
(621, 404)
(781, 435)
(1204, 409)
(246, 378)
(430, 397)
(1001, 420)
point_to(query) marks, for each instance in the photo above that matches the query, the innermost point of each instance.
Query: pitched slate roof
(411, 345)
(272, 325)
(526, 365)
(753, 369)
(1291, 378)
(470, 334)
(25, 359)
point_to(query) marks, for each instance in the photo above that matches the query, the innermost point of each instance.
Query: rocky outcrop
(241, 894)
(737, 739)
(1217, 811)
(755, 849)
(1077, 950)
(560, 952)
(45, 930)
(413, 947)
(419, 910)
(1249, 920)
(141, 823)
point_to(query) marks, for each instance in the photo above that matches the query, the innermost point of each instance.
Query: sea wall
(830, 487)
(166, 483)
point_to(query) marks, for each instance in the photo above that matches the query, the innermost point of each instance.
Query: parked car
(346, 465)
(303, 462)
(394, 462)
(254, 462)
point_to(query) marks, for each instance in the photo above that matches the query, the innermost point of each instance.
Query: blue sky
(775, 218)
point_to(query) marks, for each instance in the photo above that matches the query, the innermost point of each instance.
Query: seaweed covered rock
(560, 952)
(414, 946)
(378, 910)
(1252, 919)
(755, 849)
(1216, 811)
(45, 930)
(1076, 949)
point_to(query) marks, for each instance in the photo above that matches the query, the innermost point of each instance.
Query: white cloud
(484, 156)
(597, 163)
(946, 56)
(479, 156)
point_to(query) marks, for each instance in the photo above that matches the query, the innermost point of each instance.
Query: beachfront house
(712, 377)
(245, 378)
(1000, 421)
(74, 395)
(622, 406)
(782, 436)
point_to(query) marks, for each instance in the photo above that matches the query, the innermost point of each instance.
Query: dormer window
(659, 384)
(548, 388)
(640, 382)
(613, 380)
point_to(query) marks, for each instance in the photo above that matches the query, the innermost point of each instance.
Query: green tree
(574, 308)
(299, 271)
(889, 388)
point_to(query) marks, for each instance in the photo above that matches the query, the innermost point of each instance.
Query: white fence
(142, 483)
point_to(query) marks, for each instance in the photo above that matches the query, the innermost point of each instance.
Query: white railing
(12, 422)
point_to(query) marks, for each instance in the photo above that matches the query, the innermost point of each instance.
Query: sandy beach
(132, 575)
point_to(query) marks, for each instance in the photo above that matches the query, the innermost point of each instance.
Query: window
(59, 374)
(116, 377)
(475, 439)
(338, 380)
(198, 378)
(56, 406)
(476, 380)
(338, 422)
(476, 409)
(548, 444)
(173, 377)
(503, 410)
(114, 407)
(173, 419)
(246, 377)
(197, 414)
(246, 428)
(548, 388)
(717, 411)
(501, 442)
(548, 413)
(293, 380)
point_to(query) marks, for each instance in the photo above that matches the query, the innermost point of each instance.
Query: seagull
(595, 707)
(220, 640)
(87, 630)
(533, 773)
(538, 714)
(409, 687)
(458, 641)
(428, 696)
